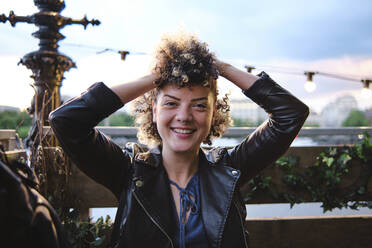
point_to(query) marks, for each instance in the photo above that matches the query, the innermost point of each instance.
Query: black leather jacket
(137, 178)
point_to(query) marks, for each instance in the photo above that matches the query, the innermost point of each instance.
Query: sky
(329, 36)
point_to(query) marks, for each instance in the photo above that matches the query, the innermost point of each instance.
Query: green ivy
(87, 234)
(256, 184)
(290, 178)
(364, 150)
(323, 179)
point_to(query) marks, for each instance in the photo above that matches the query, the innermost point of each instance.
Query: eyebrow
(193, 100)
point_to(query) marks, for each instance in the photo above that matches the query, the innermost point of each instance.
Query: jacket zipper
(241, 223)
(152, 219)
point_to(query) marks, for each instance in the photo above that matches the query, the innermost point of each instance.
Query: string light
(123, 53)
(249, 68)
(366, 92)
(309, 86)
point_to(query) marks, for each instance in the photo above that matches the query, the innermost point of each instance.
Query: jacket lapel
(152, 188)
(217, 185)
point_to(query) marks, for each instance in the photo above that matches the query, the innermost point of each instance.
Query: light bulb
(366, 93)
(310, 86)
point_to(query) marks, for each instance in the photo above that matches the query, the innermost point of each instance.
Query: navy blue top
(191, 233)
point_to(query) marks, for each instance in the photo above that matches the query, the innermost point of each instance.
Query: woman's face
(183, 117)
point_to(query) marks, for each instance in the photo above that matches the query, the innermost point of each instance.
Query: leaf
(332, 151)
(98, 241)
(99, 221)
(107, 219)
(344, 158)
(361, 190)
(328, 161)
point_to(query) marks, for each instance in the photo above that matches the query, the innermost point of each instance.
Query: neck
(180, 166)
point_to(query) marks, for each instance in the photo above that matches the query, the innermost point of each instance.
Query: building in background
(313, 120)
(334, 113)
(8, 108)
(247, 110)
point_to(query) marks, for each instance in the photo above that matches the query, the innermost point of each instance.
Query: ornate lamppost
(47, 65)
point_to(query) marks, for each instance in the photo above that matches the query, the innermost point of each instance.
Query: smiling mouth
(183, 131)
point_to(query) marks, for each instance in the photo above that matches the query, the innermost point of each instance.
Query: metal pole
(47, 63)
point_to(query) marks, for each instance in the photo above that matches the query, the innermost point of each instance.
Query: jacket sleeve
(270, 140)
(95, 154)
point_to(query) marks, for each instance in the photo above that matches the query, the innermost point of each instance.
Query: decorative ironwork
(47, 64)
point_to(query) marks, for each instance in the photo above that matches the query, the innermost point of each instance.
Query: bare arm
(131, 90)
(242, 79)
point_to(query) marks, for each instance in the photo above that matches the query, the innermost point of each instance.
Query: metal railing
(244, 131)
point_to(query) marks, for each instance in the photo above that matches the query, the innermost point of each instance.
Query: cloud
(334, 36)
(19, 7)
(239, 29)
(15, 83)
(299, 30)
(289, 73)
(110, 69)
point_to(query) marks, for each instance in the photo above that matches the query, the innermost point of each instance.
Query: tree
(121, 119)
(21, 121)
(356, 118)
(243, 123)
(311, 124)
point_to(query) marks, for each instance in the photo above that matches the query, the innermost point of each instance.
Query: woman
(176, 194)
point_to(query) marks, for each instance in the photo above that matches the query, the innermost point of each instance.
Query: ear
(153, 104)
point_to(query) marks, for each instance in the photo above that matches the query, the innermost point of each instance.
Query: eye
(201, 106)
(170, 103)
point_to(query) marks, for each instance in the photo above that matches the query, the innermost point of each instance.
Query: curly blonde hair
(184, 61)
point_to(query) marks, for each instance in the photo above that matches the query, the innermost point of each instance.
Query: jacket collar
(217, 186)
(153, 157)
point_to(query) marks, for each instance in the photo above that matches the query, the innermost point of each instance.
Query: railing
(8, 139)
(244, 131)
(318, 231)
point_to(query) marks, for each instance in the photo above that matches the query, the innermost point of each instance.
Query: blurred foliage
(322, 180)
(243, 123)
(118, 119)
(311, 124)
(121, 119)
(356, 118)
(20, 121)
(87, 234)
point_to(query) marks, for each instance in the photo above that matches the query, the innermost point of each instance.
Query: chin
(184, 148)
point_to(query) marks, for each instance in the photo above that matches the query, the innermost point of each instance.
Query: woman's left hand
(240, 78)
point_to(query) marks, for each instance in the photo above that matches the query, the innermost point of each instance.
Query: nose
(184, 114)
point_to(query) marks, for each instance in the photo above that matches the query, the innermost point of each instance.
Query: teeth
(188, 131)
